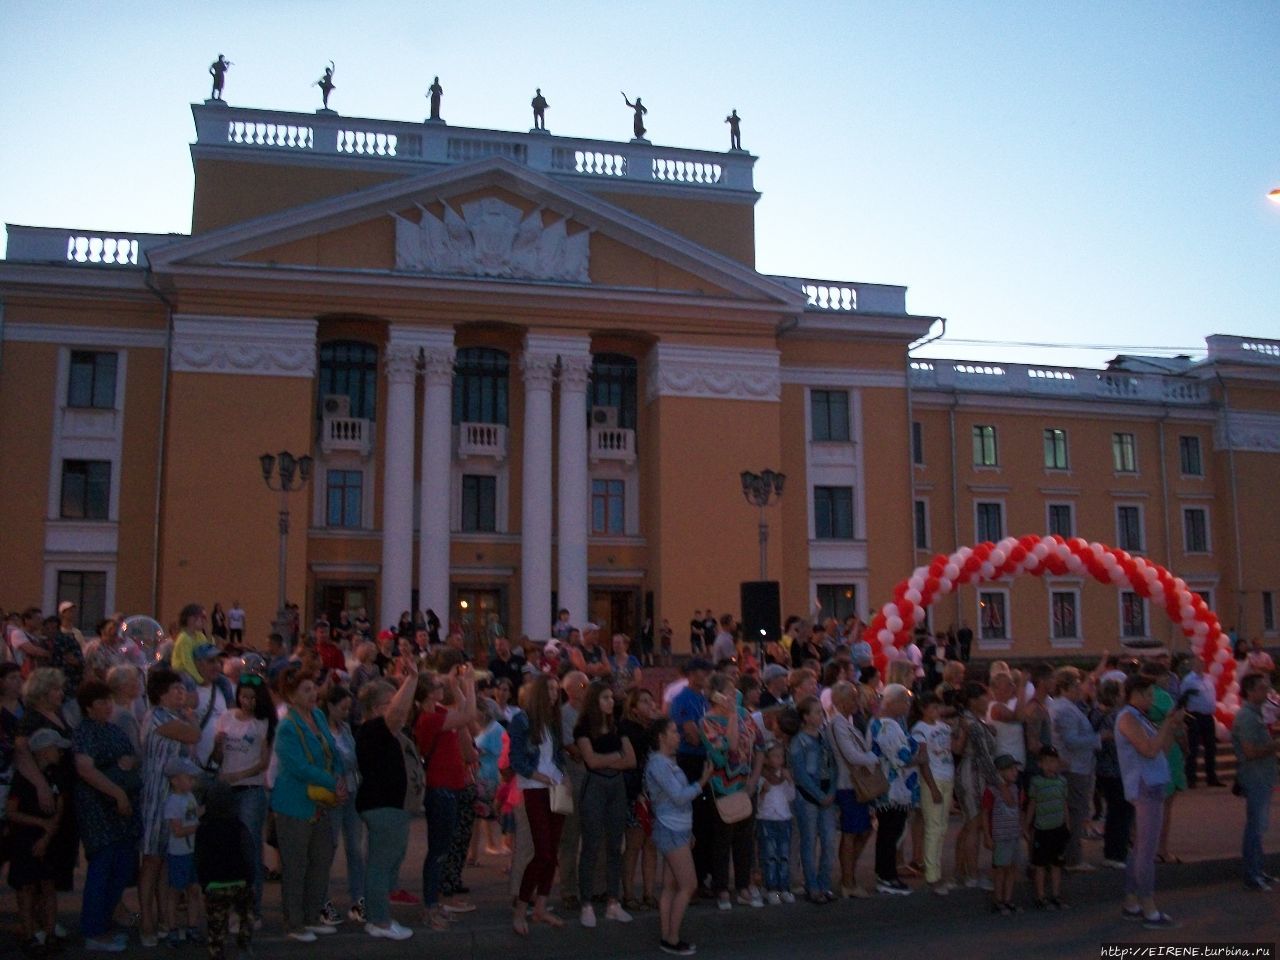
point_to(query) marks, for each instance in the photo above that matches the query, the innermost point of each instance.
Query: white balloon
(884, 636)
(889, 610)
(894, 624)
(1040, 550)
(1116, 575)
(951, 571)
(1098, 549)
(964, 553)
(944, 585)
(918, 615)
(987, 570)
(1180, 584)
(1074, 563)
(1201, 628)
(997, 557)
(1064, 552)
(1031, 563)
(1186, 612)
(916, 583)
(1215, 669)
(1223, 655)
(913, 595)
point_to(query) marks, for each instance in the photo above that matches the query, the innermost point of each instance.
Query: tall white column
(400, 363)
(535, 495)
(573, 501)
(436, 475)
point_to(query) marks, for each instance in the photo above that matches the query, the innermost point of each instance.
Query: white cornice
(83, 336)
(718, 373)
(244, 345)
(1035, 405)
(843, 377)
(1247, 430)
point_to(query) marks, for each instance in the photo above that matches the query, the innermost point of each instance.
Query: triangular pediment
(489, 220)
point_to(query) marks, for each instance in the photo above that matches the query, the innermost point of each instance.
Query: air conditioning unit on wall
(604, 417)
(336, 405)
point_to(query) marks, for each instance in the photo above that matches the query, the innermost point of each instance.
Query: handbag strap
(324, 747)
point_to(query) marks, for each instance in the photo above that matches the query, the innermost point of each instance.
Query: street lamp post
(286, 473)
(760, 489)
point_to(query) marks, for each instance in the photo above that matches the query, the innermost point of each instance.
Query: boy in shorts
(1001, 831)
(182, 814)
(1047, 827)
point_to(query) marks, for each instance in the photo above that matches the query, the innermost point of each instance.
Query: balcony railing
(346, 435)
(613, 443)
(1078, 382)
(482, 440)
(244, 129)
(841, 296)
(1244, 349)
(63, 245)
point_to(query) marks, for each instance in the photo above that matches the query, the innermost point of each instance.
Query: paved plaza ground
(1204, 893)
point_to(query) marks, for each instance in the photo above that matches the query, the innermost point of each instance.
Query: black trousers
(704, 818)
(1119, 822)
(889, 825)
(1202, 732)
(731, 842)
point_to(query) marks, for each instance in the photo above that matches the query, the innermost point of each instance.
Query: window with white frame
(1064, 608)
(1133, 615)
(608, 507)
(87, 589)
(479, 503)
(985, 450)
(1129, 528)
(344, 498)
(922, 525)
(839, 600)
(86, 490)
(990, 521)
(1055, 449)
(1061, 520)
(91, 380)
(829, 415)
(1189, 461)
(917, 443)
(993, 619)
(1195, 529)
(833, 513)
(1124, 452)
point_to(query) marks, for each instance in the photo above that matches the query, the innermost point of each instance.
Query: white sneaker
(774, 898)
(756, 899)
(392, 931)
(787, 896)
(323, 929)
(588, 916)
(984, 883)
(724, 904)
(615, 912)
(303, 936)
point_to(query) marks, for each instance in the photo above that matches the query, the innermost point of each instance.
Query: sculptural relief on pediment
(492, 238)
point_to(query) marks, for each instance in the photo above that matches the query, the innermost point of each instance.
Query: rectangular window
(922, 525)
(88, 591)
(992, 620)
(990, 521)
(1055, 449)
(608, 507)
(344, 498)
(1129, 528)
(985, 453)
(1189, 457)
(1124, 453)
(830, 411)
(1133, 615)
(1195, 529)
(479, 503)
(917, 443)
(1066, 614)
(1061, 523)
(1268, 611)
(839, 600)
(91, 380)
(833, 513)
(86, 489)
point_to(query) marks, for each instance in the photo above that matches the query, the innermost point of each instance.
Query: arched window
(613, 384)
(480, 386)
(349, 368)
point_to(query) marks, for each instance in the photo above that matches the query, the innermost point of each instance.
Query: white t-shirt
(775, 803)
(936, 738)
(235, 619)
(546, 766)
(242, 746)
(181, 807)
(1011, 738)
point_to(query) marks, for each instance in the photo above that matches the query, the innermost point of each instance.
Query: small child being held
(773, 824)
(182, 814)
(1047, 827)
(1001, 831)
(224, 870)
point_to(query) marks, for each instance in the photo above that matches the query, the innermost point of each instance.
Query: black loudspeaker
(761, 611)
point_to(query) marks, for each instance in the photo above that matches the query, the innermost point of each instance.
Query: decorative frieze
(244, 345)
(717, 373)
(1254, 431)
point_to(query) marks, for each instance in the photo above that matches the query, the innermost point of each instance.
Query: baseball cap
(590, 627)
(774, 671)
(206, 651)
(181, 765)
(64, 606)
(47, 737)
(1005, 761)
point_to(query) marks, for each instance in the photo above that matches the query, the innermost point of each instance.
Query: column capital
(539, 370)
(575, 372)
(438, 364)
(401, 363)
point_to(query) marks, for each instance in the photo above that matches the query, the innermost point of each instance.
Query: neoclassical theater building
(530, 371)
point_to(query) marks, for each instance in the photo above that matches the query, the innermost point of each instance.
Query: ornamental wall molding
(718, 373)
(492, 238)
(1254, 431)
(75, 335)
(244, 345)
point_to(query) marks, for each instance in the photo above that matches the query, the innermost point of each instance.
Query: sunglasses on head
(250, 680)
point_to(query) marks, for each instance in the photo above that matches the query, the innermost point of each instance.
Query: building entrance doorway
(479, 612)
(333, 598)
(615, 610)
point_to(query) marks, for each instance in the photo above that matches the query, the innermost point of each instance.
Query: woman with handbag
(729, 736)
(602, 804)
(309, 784)
(537, 757)
(898, 762)
(859, 782)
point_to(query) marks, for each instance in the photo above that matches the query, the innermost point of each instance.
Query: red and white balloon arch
(895, 622)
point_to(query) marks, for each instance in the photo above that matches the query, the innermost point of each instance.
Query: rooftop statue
(735, 130)
(435, 92)
(326, 84)
(637, 124)
(539, 104)
(218, 70)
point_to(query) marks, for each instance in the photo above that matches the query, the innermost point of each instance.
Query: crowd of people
(201, 770)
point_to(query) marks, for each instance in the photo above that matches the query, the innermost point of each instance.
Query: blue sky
(1086, 172)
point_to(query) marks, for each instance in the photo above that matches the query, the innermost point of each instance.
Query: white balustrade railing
(482, 440)
(240, 128)
(55, 245)
(1243, 349)
(346, 434)
(613, 443)
(1083, 383)
(841, 296)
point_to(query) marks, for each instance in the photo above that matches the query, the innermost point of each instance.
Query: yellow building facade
(530, 370)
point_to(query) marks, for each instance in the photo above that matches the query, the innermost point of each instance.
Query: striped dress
(157, 751)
